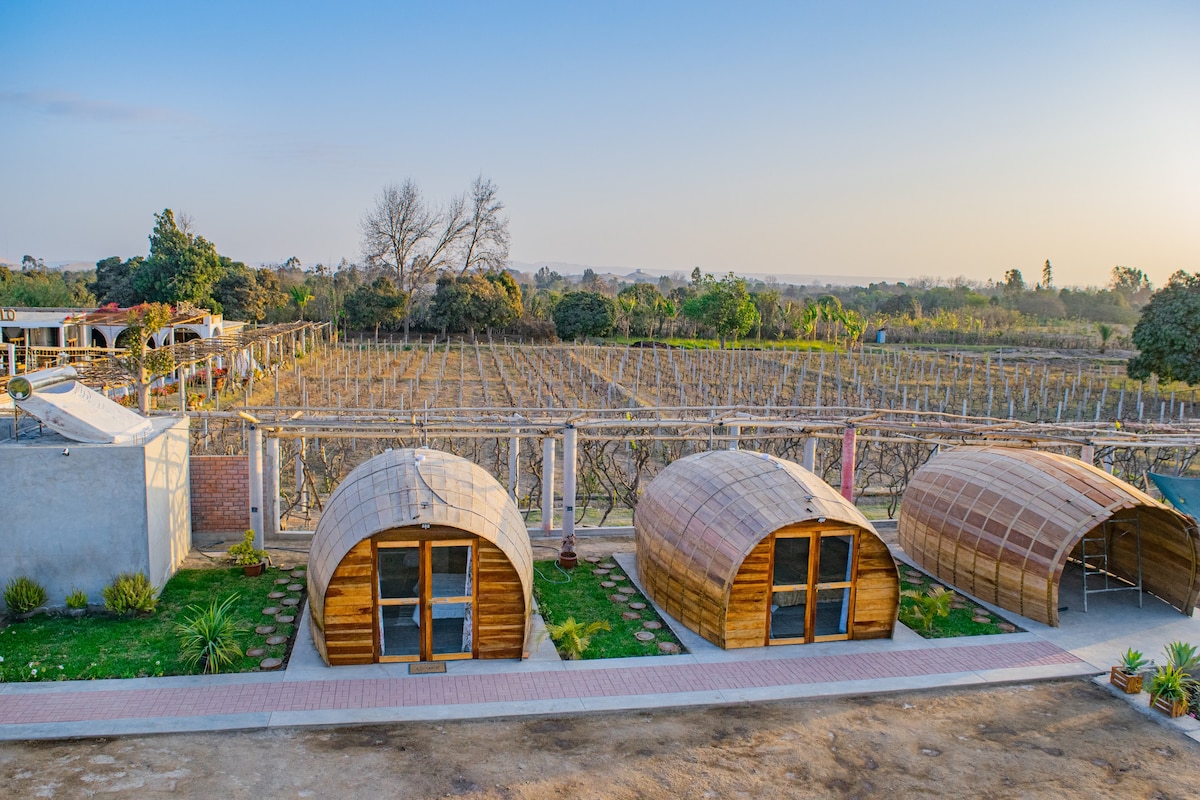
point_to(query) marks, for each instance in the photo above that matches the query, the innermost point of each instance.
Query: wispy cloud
(66, 104)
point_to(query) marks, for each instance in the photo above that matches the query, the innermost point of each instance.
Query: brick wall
(220, 493)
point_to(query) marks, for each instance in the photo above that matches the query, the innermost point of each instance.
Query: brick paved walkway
(216, 699)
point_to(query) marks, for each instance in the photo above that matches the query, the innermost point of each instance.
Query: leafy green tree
(724, 306)
(640, 303)
(473, 301)
(301, 295)
(1168, 332)
(146, 363)
(182, 267)
(584, 314)
(1132, 284)
(114, 281)
(248, 294)
(375, 305)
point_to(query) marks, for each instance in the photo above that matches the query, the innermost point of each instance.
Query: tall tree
(114, 281)
(584, 314)
(725, 306)
(1047, 276)
(376, 305)
(485, 238)
(1168, 331)
(182, 267)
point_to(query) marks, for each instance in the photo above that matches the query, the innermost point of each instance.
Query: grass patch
(961, 621)
(48, 648)
(579, 594)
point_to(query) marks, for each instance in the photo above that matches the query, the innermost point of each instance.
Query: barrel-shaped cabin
(746, 549)
(419, 556)
(1001, 523)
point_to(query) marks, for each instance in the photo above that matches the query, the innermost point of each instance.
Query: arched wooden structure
(419, 555)
(1000, 523)
(747, 550)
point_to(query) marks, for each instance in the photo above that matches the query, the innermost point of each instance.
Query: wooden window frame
(813, 586)
(424, 601)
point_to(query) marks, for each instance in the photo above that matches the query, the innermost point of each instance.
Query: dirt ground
(1066, 739)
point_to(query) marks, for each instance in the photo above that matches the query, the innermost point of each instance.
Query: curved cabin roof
(703, 514)
(1000, 522)
(408, 488)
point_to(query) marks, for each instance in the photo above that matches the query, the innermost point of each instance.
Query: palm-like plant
(926, 607)
(209, 637)
(1182, 655)
(572, 637)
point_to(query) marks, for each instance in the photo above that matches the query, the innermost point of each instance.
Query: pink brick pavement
(515, 686)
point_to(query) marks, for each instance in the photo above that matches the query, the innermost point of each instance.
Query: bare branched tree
(394, 231)
(485, 241)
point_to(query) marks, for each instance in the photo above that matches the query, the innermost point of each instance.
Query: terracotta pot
(1130, 684)
(567, 560)
(254, 570)
(1172, 708)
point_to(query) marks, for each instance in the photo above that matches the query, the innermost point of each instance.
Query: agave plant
(926, 607)
(1132, 661)
(572, 637)
(1172, 683)
(209, 636)
(1182, 655)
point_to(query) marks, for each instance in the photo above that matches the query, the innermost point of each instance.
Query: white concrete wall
(77, 520)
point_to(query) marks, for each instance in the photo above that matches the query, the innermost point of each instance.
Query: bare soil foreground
(1068, 739)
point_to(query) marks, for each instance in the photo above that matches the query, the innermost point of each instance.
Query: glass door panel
(789, 611)
(812, 587)
(398, 570)
(449, 599)
(791, 561)
(836, 560)
(833, 607)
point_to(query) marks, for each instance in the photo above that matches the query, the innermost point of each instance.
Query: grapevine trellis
(636, 409)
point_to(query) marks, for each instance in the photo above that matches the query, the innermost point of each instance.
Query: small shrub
(572, 638)
(1182, 655)
(925, 607)
(209, 637)
(1172, 683)
(130, 591)
(23, 594)
(244, 553)
(77, 599)
(1132, 661)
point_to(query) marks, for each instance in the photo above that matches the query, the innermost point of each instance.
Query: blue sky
(896, 139)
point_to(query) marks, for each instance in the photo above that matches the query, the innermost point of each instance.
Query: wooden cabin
(419, 556)
(747, 550)
(1001, 523)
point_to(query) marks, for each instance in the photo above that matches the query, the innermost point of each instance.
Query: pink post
(848, 464)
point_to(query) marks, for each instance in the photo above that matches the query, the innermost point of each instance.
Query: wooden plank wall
(502, 609)
(749, 600)
(348, 624)
(877, 590)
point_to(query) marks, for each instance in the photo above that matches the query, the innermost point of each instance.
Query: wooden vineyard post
(848, 463)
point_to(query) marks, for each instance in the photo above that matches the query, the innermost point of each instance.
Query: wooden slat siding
(502, 609)
(349, 619)
(1019, 516)
(877, 590)
(749, 600)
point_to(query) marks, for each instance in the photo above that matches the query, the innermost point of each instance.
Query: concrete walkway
(309, 693)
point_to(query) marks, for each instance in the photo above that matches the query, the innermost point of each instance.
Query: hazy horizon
(867, 140)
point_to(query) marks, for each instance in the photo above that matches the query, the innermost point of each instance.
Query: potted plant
(566, 555)
(1183, 655)
(1169, 690)
(247, 556)
(1125, 675)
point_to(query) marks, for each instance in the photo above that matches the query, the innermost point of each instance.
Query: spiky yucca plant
(572, 637)
(209, 637)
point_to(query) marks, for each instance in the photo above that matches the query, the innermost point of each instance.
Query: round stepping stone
(270, 663)
(627, 590)
(637, 606)
(256, 652)
(593, 559)
(263, 630)
(271, 611)
(668, 648)
(618, 598)
(1007, 627)
(295, 587)
(282, 581)
(644, 636)
(618, 577)
(652, 624)
(285, 619)
(608, 565)
(630, 615)
(274, 640)
(277, 595)
(599, 572)
(981, 620)
(607, 584)
(291, 601)
(299, 573)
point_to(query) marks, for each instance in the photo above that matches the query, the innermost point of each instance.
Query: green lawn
(961, 620)
(101, 646)
(577, 593)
